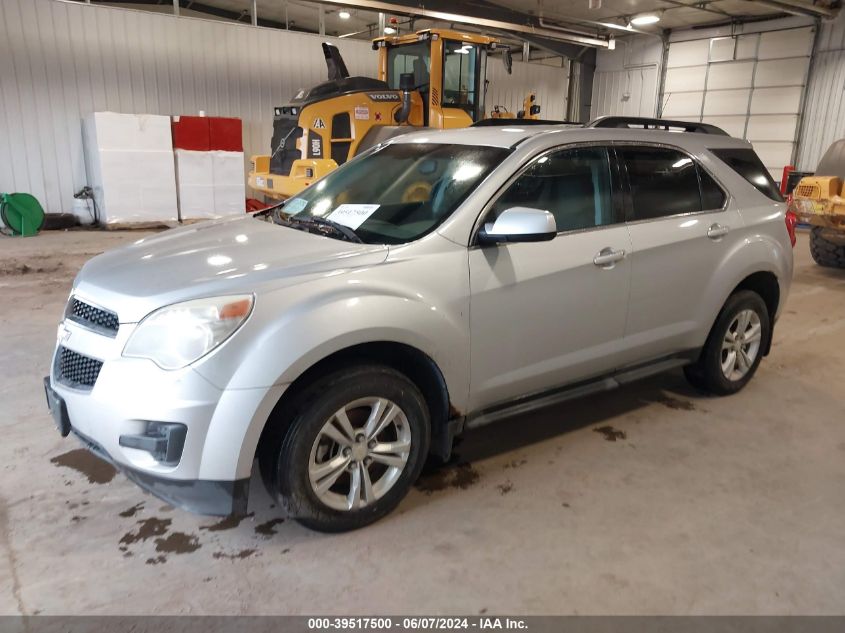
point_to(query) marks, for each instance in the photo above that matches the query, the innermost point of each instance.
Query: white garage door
(752, 86)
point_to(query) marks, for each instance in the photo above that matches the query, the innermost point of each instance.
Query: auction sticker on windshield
(352, 215)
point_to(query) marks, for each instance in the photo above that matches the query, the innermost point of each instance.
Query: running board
(550, 398)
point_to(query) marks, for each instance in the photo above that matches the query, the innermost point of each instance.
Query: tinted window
(663, 181)
(747, 164)
(712, 196)
(573, 185)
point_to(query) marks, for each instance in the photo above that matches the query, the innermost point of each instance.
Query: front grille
(76, 370)
(806, 191)
(92, 317)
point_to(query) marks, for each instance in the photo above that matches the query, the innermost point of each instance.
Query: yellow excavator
(433, 78)
(819, 200)
(530, 110)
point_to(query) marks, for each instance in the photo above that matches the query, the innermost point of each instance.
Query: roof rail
(636, 122)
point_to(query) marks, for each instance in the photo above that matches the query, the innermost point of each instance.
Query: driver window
(573, 185)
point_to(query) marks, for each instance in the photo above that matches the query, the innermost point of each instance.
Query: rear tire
(734, 347)
(356, 444)
(825, 251)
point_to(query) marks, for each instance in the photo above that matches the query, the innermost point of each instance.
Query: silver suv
(440, 281)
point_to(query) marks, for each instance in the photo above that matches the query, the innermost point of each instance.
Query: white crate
(129, 162)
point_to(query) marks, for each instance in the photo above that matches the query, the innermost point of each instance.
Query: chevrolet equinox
(437, 282)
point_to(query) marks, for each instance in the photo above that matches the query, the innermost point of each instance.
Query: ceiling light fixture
(344, 15)
(644, 19)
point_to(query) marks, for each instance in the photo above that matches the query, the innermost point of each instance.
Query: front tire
(735, 346)
(357, 443)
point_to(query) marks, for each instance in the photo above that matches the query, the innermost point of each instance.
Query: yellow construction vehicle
(432, 78)
(819, 200)
(530, 110)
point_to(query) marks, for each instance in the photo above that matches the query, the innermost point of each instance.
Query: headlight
(179, 334)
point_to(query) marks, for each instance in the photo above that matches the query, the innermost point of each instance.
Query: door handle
(717, 230)
(607, 257)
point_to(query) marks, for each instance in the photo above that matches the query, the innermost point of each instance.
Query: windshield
(409, 58)
(395, 194)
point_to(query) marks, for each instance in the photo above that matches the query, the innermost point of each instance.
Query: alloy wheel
(741, 344)
(359, 453)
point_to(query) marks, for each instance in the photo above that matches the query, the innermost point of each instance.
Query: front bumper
(119, 411)
(202, 496)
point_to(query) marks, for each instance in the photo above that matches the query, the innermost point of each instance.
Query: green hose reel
(21, 213)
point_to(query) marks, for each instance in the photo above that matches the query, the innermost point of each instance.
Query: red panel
(191, 132)
(226, 134)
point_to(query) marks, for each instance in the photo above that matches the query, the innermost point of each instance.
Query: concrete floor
(707, 506)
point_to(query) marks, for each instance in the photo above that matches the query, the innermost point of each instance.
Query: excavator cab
(433, 78)
(449, 70)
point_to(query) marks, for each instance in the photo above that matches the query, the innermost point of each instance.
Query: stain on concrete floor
(244, 553)
(131, 512)
(675, 403)
(462, 476)
(268, 528)
(611, 434)
(228, 523)
(149, 528)
(83, 461)
(505, 488)
(178, 543)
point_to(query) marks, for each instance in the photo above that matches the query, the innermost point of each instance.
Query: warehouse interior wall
(749, 80)
(777, 83)
(824, 113)
(549, 83)
(627, 79)
(60, 61)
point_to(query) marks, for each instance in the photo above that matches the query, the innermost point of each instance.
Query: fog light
(163, 440)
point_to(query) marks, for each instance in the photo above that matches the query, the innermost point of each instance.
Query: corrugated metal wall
(626, 79)
(751, 85)
(824, 112)
(550, 83)
(61, 60)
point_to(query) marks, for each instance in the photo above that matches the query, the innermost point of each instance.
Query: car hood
(213, 258)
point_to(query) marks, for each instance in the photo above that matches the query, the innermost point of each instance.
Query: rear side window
(663, 181)
(712, 196)
(747, 164)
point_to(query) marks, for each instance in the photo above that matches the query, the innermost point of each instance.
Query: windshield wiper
(338, 228)
(278, 216)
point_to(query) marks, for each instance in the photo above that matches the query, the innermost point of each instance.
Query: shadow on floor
(670, 390)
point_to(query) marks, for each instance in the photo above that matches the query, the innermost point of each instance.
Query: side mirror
(520, 224)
